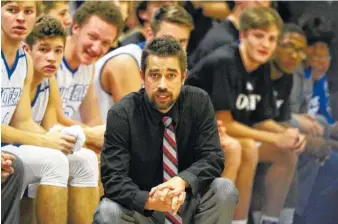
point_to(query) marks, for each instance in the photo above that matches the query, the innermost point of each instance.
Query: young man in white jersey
(95, 26)
(46, 43)
(42, 153)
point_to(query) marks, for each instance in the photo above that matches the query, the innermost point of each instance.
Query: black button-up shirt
(131, 158)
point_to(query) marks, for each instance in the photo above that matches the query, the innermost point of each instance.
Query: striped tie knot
(167, 121)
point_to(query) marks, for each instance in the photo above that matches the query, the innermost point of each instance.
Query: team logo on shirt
(247, 102)
(279, 102)
(314, 106)
(10, 96)
(74, 93)
(249, 86)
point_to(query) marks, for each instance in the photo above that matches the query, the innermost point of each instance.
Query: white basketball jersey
(12, 82)
(105, 99)
(40, 101)
(73, 86)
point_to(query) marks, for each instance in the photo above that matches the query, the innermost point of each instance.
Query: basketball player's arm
(61, 117)
(239, 130)
(22, 117)
(94, 135)
(89, 108)
(22, 129)
(50, 117)
(122, 76)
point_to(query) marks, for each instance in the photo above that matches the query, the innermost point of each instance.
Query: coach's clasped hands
(168, 196)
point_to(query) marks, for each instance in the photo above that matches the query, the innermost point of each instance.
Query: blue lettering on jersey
(75, 93)
(10, 96)
(68, 111)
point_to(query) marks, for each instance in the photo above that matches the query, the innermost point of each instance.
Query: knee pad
(83, 169)
(55, 169)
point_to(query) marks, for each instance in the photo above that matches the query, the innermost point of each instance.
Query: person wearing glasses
(309, 97)
(313, 176)
(237, 78)
(290, 53)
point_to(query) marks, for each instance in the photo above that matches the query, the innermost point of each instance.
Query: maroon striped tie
(170, 165)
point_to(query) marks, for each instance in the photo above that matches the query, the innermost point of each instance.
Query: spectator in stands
(12, 174)
(181, 184)
(237, 79)
(144, 12)
(205, 14)
(59, 10)
(304, 98)
(289, 55)
(223, 33)
(320, 35)
(310, 208)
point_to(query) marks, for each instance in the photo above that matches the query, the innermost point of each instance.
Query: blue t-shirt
(319, 103)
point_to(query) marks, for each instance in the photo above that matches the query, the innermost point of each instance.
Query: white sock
(239, 221)
(256, 216)
(286, 216)
(268, 219)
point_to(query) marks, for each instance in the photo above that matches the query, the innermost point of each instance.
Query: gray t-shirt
(301, 92)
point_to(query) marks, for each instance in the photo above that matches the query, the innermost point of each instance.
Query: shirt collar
(155, 115)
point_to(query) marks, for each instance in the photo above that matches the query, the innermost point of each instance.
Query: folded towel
(75, 131)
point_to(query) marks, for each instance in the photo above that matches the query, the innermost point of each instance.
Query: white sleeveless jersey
(73, 86)
(12, 82)
(40, 101)
(105, 99)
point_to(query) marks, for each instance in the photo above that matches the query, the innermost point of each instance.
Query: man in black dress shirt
(133, 156)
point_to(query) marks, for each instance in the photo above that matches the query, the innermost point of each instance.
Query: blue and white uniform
(105, 99)
(40, 101)
(42, 165)
(73, 86)
(12, 82)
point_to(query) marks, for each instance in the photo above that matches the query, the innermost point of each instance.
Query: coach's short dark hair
(317, 29)
(164, 47)
(46, 27)
(105, 10)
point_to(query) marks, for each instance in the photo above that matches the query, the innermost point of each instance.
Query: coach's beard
(162, 105)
